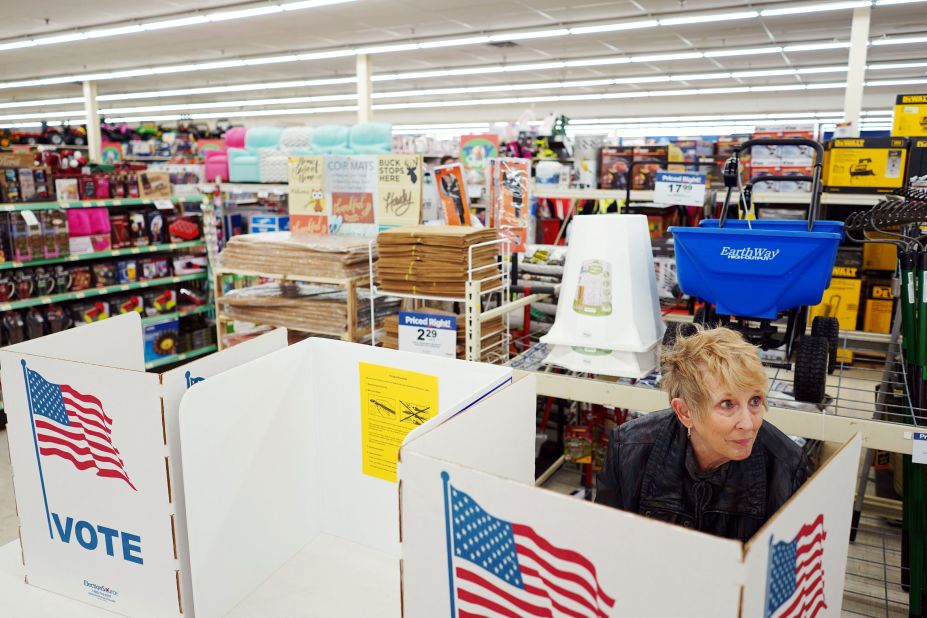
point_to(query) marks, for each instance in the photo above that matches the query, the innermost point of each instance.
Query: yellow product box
(865, 164)
(841, 299)
(844, 356)
(879, 304)
(879, 256)
(910, 118)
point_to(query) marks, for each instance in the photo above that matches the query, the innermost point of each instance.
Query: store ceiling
(376, 22)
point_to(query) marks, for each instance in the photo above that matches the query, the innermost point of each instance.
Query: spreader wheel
(811, 361)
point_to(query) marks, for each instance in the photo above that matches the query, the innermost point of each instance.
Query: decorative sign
(477, 150)
(679, 188)
(399, 190)
(428, 333)
(351, 183)
(918, 447)
(307, 186)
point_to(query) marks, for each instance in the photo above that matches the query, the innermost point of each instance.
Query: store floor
(871, 588)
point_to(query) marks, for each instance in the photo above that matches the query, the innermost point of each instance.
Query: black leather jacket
(650, 469)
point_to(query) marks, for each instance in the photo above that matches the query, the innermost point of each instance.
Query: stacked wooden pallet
(343, 257)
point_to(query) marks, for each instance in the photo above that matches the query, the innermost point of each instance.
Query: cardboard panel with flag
(287, 461)
(96, 459)
(512, 549)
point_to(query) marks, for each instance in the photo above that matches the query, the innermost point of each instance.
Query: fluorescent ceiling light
(749, 51)
(65, 101)
(472, 40)
(176, 23)
(885, 66)
(891, 2)
(118, 31)
(629, 25)
(815, 8)
(895, 82)
(899, 40)
(536, 34)
(803, 47)
(243, 13)
(60, 38)
(705, 18)
(668, 57)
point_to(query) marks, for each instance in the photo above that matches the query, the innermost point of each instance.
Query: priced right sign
(679, 188)
(428, 333)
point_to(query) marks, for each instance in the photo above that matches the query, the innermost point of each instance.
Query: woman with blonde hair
(709, 463)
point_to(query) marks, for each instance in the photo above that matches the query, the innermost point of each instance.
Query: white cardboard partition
(89, 442)
(476, 543)
(273, 466)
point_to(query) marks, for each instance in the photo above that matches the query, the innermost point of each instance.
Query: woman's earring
(689, 432)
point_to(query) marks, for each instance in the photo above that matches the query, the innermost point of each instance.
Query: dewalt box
(865, 165)
(910, 119)
(917, 164)
(879, 256)
(841, 298)
(879, 303)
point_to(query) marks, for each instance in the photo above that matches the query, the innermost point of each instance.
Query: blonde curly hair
(719, 352)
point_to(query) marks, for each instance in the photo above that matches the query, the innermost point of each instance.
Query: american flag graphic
(74, 426)
(502, 569)
(795, 582)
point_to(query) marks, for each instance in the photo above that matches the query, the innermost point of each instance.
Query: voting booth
(250, 482)
(480, 541)
(97, 469)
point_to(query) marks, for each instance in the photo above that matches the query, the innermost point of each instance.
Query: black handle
(764, 177)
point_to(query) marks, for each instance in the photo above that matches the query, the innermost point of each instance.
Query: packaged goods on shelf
(865, 165)
(917, 164)
(434, 260)
(910, 118)
(301, 254)
(303, 306)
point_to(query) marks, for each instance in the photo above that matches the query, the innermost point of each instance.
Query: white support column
(364, 88)
(93, 122)
(856, 67)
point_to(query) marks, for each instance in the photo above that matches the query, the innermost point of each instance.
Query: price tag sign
(164, 204)
(680, 189)
(919, 447)
(428, 333)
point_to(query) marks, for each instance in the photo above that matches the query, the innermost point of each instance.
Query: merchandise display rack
(94, 292)
(477, 288)
(349, 284)
(177, 358)
(81, 257)
(108, 203)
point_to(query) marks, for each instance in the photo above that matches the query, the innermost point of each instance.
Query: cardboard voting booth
(290, 461)
(487, 542)
(96, 464)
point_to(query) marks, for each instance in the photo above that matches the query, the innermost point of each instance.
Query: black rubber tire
(811, 369)
(829, 328)
(673, 330)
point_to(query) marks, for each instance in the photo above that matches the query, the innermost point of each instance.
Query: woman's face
(727, 429)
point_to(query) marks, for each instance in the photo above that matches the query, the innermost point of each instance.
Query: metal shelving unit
(94, 292)
(133, 201)
(80, 257)
(177, 358)
(175, 315)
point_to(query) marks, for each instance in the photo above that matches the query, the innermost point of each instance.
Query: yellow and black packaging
(865, 164)
(917, 164)
(879, 303)
(841, 298)
(910, 118)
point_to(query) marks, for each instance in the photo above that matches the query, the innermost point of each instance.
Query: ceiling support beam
(856, 68)
(91, 110)
(364, 88)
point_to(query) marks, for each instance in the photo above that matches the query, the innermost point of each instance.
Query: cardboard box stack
(284, 253)
(791, 160)
(433, 260)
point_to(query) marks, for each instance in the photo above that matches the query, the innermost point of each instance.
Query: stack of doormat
(433, 260)
(308, 255)
(491, 334)
(319, 309)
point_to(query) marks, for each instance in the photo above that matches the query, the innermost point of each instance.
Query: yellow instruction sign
(393, 403)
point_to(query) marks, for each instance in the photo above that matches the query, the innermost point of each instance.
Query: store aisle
(8, 523)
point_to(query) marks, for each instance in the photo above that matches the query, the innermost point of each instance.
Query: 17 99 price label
(679, 189)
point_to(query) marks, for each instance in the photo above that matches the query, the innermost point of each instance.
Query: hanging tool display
(905, 214)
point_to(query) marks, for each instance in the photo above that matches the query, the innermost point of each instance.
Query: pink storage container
(98, 220)
(78, 222)
(235, 137)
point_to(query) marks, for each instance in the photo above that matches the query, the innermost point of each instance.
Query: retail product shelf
(352, 333)
(850, 407)
(775, 197)
(167, 317)
(176, 358)
(80, 257)
(94, 292)
(847, 335)
(247, 187)
(554, 192)
(129, 201)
